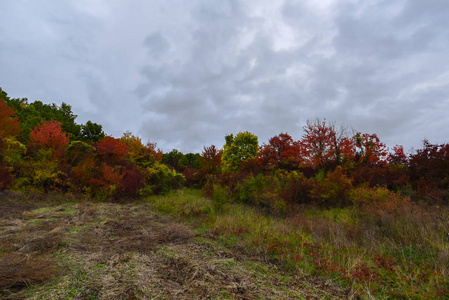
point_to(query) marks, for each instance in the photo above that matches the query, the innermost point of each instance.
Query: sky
(184, 74)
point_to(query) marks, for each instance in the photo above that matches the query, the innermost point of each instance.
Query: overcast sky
(186, 73)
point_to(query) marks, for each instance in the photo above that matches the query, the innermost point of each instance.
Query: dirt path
(127, 251)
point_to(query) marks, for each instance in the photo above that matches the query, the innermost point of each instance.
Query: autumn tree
(318, 143)
(281, 152)
(369, 148)
(9, 123)
(238, 149)
(49, 135)
(31, 115)
(142, 155)
(210, 160)
(112, 150)
(398, 156)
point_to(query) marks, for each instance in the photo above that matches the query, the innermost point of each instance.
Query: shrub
(379, 199)
(296, 187)
(220, 196)
(160, 179)
(77, 152)
(334, 189)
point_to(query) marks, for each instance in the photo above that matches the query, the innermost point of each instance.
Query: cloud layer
(185, 74)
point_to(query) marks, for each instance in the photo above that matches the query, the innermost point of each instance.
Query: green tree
(91, 132)
(237, 149)
(172, 158)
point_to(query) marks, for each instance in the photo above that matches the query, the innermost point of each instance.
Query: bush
(295, 188)
(379, 199)
(220, 196)
(333, 190)
(160, 179)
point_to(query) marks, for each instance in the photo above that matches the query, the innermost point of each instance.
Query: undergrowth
(374, 250)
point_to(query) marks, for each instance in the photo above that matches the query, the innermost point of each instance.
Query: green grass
(376, 253)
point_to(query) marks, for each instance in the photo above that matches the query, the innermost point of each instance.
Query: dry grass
(127, 251)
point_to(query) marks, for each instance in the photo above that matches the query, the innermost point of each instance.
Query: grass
(85, 250)
(182, 246)
(371, 252)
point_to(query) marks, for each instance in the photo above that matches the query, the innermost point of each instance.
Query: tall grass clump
(382, 246)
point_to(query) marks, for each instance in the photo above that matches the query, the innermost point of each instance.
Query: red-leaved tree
(112, 150)
(281, 152)
(318, 143)
(210, 160)
(9, 123)
(49, 135)
(370, 149)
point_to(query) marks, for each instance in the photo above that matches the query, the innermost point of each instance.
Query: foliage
(9, 123)
(190, 160)
(49, 135)
(138, 153)
(281, 152)
(238, 149)
(220, 197)
(46, 176)
(11, 151)
(381, 199)
(369, 149)
(318, 143)
(172, 158)
(77, 152)
(334, 190)
(210, 161)
(91, 132)
(31, 114)
(296, 188)
(112, 150)
(160, 180)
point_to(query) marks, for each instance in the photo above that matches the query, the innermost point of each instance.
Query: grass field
(180, 247)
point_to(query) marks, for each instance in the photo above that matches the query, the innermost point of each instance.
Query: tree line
(43, 149)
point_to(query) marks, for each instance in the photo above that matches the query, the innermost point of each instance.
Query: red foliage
(369, 148)
(112, 150)
(131, 182)
(210, 160)
(9, 123)
(318, 143)
(297, 188)
(83, 172)
(156, 152)
(347, 149)
(281, 152)
(49, 135)
(191, 176)
(398, 156)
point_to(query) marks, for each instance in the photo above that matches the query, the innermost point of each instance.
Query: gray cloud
(185, 74)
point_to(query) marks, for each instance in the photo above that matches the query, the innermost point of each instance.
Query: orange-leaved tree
(49, 136)
(9, 123)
